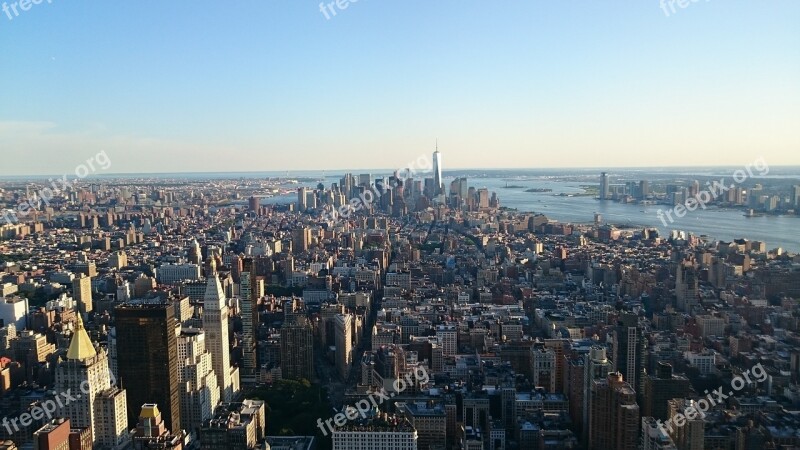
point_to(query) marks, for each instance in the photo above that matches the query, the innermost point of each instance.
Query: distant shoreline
(790, 171)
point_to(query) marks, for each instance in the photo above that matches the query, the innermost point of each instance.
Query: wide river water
(717, 223)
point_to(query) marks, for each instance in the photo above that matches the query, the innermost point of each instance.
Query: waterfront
(717, 223)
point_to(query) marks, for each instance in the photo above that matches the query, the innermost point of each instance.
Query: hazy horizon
(683, 170)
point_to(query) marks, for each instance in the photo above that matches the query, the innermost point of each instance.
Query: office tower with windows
(438, 181)
(660, 388)
(343, 324)
(754, 196)
(197, 380)
(85, 371)
(253, 205)
(297, 349)
(113, 411)
(82, 292)
(614, 415)
(118, 260)
(301, 199)
(644, 189)
(195, 253)
(301, 239)
(216, 325)
(690, 436)
(629, 351)
(604, 186)
(596, 366)
(543, 361)
(248, 294)
(148, 359)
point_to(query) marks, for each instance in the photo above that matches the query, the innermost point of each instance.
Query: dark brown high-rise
(253, 204)
(147, 350)
(297, 349)
(630, 352)
(248, 292)
(614, 415)
(662, 387)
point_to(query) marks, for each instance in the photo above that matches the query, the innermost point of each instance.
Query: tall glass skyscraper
(437, 170)
(147, 349)
(604, 186)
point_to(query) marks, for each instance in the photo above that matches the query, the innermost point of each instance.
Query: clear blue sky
(166, 86)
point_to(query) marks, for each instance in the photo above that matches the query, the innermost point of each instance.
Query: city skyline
(257, 85)
(359, 329)
(417, 225)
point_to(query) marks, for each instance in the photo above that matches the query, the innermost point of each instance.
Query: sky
(261, 85)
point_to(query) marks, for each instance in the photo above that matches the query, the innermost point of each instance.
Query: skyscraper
(687, 284)
(112, 409)
(483, 198)
(195, 253)
(85, 371)
(596, 367)
(301, 239)
(644, 189)
(458, 191)
(629, 351)
(297, 349)
(118, 260)
(249, 305)
(544, 368)
(301, 199)
(614, 416)
(253, 205)
(437, 171)
(660, 389)
(691, 435)
(198, 382)
(344, 343)
(82, 292)
(148, 359)
(347, 183)
(603, 186)
(754, 196)
(215, 324)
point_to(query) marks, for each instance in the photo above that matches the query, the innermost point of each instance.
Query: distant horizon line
(383, 170)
